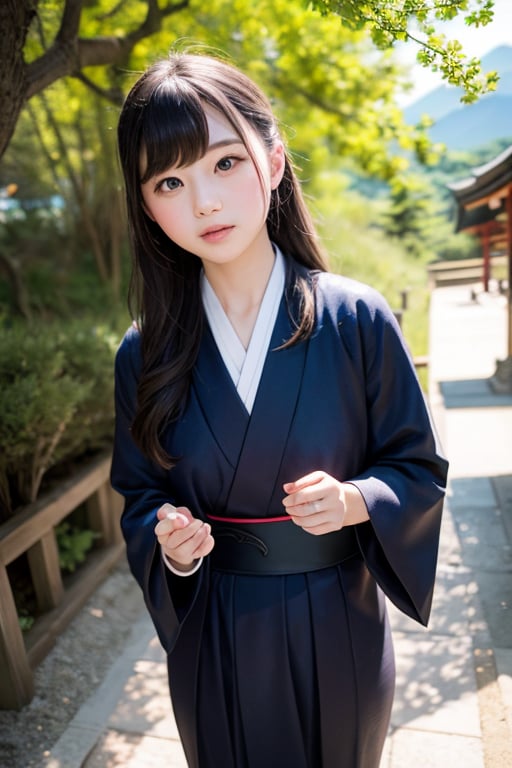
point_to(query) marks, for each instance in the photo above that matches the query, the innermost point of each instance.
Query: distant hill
(468, 126)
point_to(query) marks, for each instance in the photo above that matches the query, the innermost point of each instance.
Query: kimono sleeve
(404, 483)
(145, 487)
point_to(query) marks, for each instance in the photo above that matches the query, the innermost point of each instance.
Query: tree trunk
(67, 55)
(15, 18)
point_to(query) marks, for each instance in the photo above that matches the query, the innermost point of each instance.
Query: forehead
(179, 150)
(219, 127)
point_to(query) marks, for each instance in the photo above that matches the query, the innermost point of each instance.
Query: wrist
(181, 567)
(355, 505)
(178, 568)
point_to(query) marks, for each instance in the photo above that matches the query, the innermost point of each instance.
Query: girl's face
(216, 208)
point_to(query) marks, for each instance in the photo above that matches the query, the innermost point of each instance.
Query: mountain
(467, 126)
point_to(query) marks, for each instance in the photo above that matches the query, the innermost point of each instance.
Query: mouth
(216, 233)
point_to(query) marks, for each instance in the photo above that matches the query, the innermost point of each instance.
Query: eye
(227, 163)
(169, 184)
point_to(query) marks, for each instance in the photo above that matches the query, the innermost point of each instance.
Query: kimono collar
(245, 366)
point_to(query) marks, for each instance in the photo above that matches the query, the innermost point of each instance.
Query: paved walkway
(453, 703)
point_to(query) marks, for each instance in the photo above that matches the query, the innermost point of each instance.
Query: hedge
(56, 402)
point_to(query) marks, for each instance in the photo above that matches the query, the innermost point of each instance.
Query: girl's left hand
(321, 504)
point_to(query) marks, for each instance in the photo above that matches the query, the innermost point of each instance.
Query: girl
(272, 443)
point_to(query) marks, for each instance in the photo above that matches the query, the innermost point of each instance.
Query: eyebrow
(227, 142)
(224, 143)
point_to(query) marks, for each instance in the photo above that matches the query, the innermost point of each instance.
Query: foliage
(416, 215)
(304, 59)
(327, 82)
(332, 91)
(25, 621)
(65, 151)
(73, 543)
(390, 21)
(56, 401)
(359, 248)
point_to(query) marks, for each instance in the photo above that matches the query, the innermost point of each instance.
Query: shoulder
(342, 296)
(128, 355)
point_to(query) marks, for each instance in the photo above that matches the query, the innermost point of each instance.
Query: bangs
(175, 129)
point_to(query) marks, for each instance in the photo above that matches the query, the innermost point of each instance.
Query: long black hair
(164, 117)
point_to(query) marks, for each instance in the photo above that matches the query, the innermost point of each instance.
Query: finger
(171, 522)
(164, 510)
(319, 530)
(197, 545)
(303, 482)
(205, 542)
(312, 498)
(176, 531)
(178, 517)
(308, 509)
(169, 511)
(317, 524)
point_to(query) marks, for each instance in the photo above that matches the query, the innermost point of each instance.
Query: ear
(277, 164)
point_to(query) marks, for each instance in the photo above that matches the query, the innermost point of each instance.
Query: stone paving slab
(85, 729)
(504, 669)
(126, 750)
(472, 393)
(435, 685)
(408, 748)
(502, 487)
(478, 441)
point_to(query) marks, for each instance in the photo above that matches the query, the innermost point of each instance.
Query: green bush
(74, 543)
(56, 401)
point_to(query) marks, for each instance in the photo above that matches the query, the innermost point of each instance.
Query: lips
(213, 234)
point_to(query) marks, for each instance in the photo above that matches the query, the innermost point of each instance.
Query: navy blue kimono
(290, 671)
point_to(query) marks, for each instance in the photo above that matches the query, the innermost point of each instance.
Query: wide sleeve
(145, 487)
(404, 481)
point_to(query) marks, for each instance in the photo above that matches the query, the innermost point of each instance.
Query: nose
(207, 201)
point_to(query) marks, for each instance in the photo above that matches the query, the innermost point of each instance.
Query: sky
(475, 41)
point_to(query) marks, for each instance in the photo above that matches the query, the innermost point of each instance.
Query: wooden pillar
(103, 513)
(43, 559)
(486, 250)
(16, 680)
(509, 257)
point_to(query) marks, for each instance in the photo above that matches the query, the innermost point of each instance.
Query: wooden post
(16, 679)
(486, 249)
(43, 560)
(103, 515)
(509, 256)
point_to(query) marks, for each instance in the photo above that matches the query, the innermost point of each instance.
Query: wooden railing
(462, 271)
(32, 531)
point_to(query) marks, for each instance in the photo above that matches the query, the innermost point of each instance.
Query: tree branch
(113, 95)
(69, 54)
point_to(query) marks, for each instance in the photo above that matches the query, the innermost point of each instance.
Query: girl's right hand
(182, 537)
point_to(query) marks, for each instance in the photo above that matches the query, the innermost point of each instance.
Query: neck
(240, 285)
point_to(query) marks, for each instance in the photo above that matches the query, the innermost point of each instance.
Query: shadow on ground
(472, 393)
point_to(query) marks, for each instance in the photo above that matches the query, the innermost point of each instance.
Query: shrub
(56, 401)
(73, 543)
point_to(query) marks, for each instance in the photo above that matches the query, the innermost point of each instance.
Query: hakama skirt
(293, 671)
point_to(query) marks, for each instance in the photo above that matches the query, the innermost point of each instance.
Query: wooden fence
(32, 531)
(463, 271)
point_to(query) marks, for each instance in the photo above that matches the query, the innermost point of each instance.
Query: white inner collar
(245, 366)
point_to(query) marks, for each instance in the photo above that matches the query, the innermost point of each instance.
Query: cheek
(170, 221)
(254, 194)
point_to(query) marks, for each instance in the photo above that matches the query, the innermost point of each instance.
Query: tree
(68, 54)
(389, 21)
(73, 52)
(414, 215)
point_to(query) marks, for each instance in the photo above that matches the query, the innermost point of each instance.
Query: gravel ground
(71, 672)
